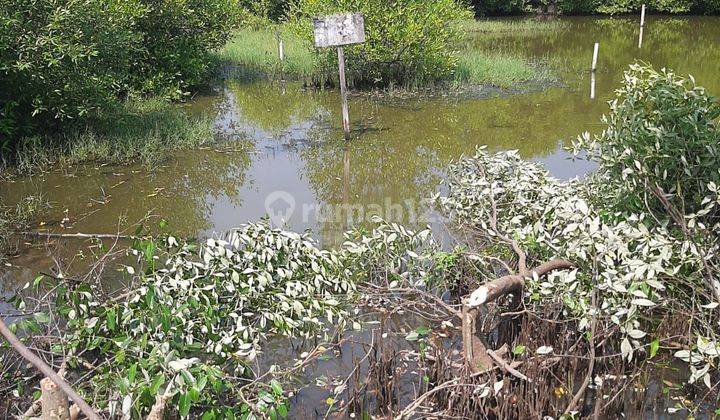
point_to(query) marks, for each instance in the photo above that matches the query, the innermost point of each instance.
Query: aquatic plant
(139, 130)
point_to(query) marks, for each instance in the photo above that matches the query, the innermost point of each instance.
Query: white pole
(642, 16)
(592, 85)
(642, 26)
(595, 57)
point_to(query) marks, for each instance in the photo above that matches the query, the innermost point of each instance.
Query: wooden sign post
(336, 31)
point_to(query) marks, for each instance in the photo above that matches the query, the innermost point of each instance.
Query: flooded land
(281, 154)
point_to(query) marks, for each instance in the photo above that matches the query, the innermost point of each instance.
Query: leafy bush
(499, 7)
(190, 328)
(662, 139)
(179, 36)
(622, 238)
(273, 10)
(63, 60)
(410, 42)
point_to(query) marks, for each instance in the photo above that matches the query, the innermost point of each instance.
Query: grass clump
(14, 218)
(253, 52)
(477, 68)
(135, 131)
(523, 26)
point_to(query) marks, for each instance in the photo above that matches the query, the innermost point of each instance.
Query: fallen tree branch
(492, 290)
(47, 371)
(476, 354)
(77, 235)
(506, 367)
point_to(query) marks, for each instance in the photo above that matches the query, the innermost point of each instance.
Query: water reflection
(399, 147)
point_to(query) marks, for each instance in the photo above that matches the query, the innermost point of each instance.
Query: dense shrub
(179, 35)
(499, 7)
(268, 9)
(409, 43)
(662, 139)
(62, 60)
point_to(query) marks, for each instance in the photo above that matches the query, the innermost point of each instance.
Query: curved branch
(490, 291)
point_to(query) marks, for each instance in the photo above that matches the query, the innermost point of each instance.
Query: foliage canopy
(410, 42)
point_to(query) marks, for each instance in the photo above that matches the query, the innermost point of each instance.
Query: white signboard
(338, 30)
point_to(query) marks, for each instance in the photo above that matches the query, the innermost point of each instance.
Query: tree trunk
(54, 402)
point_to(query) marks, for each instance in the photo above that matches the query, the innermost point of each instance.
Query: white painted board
(340, 29)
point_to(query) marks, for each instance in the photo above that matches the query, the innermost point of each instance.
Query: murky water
(294, 164)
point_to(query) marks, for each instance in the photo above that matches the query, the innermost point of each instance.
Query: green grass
(514, 27)
(136, 131)
(255, 53)
(16, 218)
(478, 68)
(252, 52)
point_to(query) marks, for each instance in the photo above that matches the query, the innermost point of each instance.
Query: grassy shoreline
(139, 130)
(253, 53)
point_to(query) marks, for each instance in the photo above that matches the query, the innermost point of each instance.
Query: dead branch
(476, 355)
(490, 291)
(157, 412)
(506, 367)
(77, 235)
(54, 402)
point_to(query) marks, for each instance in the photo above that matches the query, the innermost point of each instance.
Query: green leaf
(37, 280)
(110, 316)
(132, 372)
(184, 405)
(518, 350)
(276, 387)
(282, 410)
(201, 382)
(654, 346)
(41, 317)
(157, 383)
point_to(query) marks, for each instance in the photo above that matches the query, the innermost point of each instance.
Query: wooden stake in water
(281, 57)
(642, 26)
(343, 92)
(595, 57)
(592, 70)
(642, 16)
